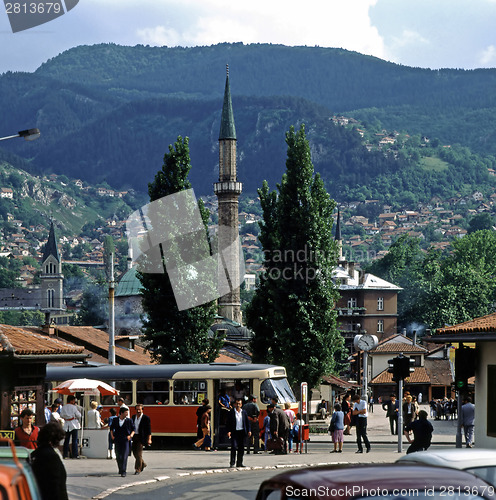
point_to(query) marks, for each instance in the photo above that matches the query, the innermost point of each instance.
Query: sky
(420, 33)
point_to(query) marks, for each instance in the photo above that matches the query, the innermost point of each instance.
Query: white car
(480, 462)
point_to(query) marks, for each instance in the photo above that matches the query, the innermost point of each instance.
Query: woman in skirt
(336, 428)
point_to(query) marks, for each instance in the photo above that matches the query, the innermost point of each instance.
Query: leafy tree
(466, 287)
(408, 267)
(292, 313)
(175, 336)
(439, 291)
(479, 222)
(93, 309)
(22, 318)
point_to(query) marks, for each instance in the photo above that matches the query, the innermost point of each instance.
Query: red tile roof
(97, 341)
(27, 340)
(483, 324)
(419, 376)
(399, 347)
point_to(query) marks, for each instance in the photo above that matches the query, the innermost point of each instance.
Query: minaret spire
(338, 237)
(228, 190)
(227, 128)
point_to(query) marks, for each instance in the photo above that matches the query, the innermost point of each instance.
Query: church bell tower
(52, 279)
(227, 191)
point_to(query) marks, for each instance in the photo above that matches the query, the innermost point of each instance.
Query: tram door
(226, 390)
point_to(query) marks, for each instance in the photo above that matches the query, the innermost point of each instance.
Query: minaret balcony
(228, 187)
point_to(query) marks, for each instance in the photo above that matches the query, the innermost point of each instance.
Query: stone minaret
(338, 237)
(228, 190)
(52, 279)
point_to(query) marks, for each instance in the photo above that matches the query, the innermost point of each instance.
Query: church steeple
(52, 279)
(51, 246)
(227, 128)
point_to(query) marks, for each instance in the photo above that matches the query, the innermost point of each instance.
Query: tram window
(189, 392)
(125, 388)
(278, 388)
(153, 392)
(239, 388)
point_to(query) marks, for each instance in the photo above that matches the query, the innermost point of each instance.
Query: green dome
(129, 284)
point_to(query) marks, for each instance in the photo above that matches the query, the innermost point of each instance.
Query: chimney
(414, 339)
(351, 269)
(48, 328)
(130, 258)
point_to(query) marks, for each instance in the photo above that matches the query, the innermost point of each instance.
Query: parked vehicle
(480, 462)
(383, 481)
(17, 481)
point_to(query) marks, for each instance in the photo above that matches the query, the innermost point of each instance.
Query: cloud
(487, 57)
(159, 35)
(332, 23)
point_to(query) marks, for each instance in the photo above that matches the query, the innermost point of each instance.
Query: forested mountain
(108, 113)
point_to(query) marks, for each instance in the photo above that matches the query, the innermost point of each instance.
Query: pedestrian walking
(279, 427)
(336, 428)
(296, 431)
(422, 433)
(199, 412)
(122, 432)
(391, 408)
(113, 415)
(72, 423)
(346, 409)
(291, 417)
(253, 411)
(360, 411)
(142, 437)
(47, 464)
(467, 420)
(27, 434)
(205, 440)
(266, 427)
(238, 429)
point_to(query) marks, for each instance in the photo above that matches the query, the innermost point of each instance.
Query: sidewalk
(98, 478)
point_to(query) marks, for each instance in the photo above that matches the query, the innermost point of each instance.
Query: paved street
(98, 478)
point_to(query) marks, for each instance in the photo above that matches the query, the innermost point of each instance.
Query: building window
(380, 326)
(51, 298)
(380, 303)
(352, 302)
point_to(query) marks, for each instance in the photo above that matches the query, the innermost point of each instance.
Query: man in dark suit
(142, 437)
(238, 428)
(391, 407)
(122, 432)
(279, 427)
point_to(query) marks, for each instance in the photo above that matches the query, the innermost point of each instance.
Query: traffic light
(407, 366)
(393, 368)
(401, 367)
(464, 367)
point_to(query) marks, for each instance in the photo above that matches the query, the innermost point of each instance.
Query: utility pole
(111, 353)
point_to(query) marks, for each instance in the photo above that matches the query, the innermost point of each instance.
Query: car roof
(458, 458)
(21, 451)
(342, 478)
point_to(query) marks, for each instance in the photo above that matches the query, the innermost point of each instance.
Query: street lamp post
(29, 135)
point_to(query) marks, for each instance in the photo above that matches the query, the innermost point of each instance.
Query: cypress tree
(292, 313)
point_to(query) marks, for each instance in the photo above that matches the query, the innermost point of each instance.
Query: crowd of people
(278, 433)
(58, 440)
